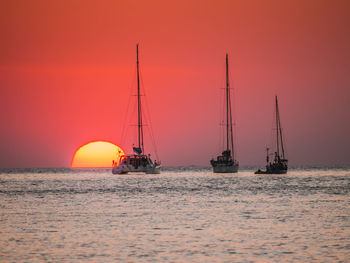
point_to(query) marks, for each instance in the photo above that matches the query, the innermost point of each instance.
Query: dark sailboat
(279, 165)
(139, 161)
(226, 163)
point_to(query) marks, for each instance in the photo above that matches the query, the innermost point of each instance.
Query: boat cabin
(137, 160)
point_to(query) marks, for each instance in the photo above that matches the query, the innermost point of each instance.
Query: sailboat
(138, 161)
(279, 164)
(226, 163)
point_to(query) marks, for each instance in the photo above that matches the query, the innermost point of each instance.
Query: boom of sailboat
(141, 162)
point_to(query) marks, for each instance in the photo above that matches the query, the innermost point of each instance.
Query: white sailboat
(138, 161)
(226, 163)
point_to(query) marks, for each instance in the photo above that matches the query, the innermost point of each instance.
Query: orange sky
(67, 67)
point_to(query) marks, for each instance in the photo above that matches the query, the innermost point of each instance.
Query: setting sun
(96, 154)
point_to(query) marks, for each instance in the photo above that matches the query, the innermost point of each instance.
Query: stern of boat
(153, 170)
(218, 168)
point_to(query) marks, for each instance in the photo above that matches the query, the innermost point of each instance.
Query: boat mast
(139, 112)
(227, 105)
(279, 128)
(229, 132)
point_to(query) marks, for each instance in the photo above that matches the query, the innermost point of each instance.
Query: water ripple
(182, 215)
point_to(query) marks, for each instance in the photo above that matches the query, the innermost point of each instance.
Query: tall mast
(231, 132)
(280, 128)
(227, 104)
(277, 128)
(139, 112)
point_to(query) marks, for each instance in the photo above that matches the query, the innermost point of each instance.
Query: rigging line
(133, 123)
(148, 118)
(141, 129)
(231, 130)
(125, 125)
(153, 140)
(130, 134)
(222, 109)
(150, 126)
(130, 114)
(234, 138)
(280, 130)
(154, 144)
(229, 112)
(143, 115)
(131, 120)
(221, 123)
(230, 122)
(285, 147)
(277, 129)
(222, 117)
(272, 130)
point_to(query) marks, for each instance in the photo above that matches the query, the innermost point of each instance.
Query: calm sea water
(182, 215)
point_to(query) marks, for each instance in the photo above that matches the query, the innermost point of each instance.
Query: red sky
(67, 68)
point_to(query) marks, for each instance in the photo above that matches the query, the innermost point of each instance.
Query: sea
(184, 214)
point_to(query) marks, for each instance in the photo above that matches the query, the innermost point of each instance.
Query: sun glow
(97, 154)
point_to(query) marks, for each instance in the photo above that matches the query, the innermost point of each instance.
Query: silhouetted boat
(226, 162)
(280, 163)
(139, 161)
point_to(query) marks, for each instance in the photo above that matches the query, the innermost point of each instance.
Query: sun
(97, 154)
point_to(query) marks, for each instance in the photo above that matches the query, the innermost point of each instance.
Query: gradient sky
(67, 69)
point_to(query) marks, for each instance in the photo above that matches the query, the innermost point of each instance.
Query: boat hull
(137, 163)
(153, 170)
(125, 169)
(271, 172)
(225, 168)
